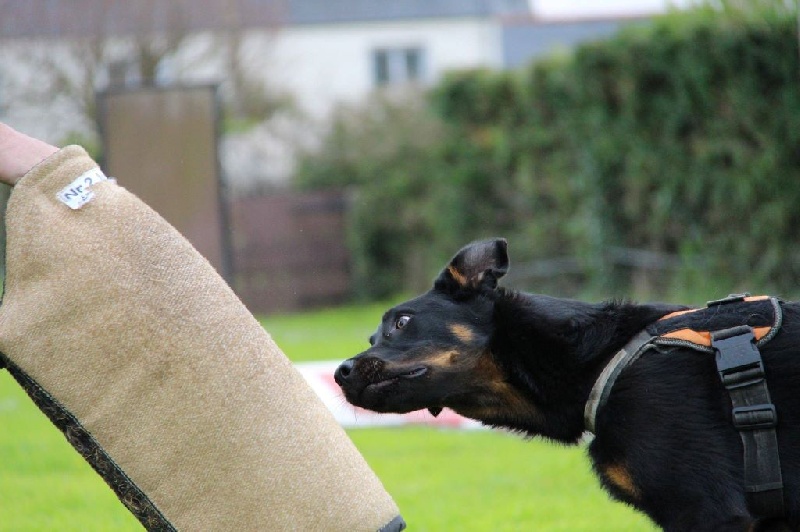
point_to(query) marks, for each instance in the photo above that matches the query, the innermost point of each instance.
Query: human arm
(19, 153)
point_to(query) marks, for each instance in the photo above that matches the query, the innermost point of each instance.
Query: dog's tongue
(435, 410)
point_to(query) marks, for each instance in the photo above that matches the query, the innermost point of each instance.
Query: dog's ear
(478, 265)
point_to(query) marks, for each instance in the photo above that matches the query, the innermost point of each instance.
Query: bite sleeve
(160, 378)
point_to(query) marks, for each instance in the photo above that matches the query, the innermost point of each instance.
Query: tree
(97, 44)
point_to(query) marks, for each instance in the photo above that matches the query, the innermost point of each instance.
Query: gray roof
(327, 11)
(56, 18)
(525, 40)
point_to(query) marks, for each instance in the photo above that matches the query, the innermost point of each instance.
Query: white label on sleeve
(79, 193)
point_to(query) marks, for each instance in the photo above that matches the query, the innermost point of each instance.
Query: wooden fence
(289, 250)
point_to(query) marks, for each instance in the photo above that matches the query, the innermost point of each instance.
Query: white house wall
(323, 65)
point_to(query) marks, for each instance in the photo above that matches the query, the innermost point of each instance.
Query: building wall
(324, 65)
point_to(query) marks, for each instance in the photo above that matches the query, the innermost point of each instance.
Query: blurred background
(330, 152)
(626, 149)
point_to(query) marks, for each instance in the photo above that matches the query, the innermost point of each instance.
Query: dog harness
(733, 329)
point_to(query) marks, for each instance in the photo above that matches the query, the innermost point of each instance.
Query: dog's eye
(402, 321)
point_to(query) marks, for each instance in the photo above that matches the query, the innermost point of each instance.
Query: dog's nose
(343, 371)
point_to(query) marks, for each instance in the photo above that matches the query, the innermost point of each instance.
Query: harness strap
(605, 382)
(741, 371)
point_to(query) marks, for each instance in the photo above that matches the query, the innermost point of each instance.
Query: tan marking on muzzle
(442, 358)
(462, 332)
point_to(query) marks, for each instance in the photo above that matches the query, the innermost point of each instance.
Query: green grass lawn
(441, 479)
(44, 483)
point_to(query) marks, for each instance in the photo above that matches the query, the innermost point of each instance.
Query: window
(395, 66)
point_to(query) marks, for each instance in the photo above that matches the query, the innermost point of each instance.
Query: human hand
(19, 153)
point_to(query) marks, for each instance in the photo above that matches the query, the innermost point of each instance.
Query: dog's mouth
(376, 387)
(388, 380)
(379, 390)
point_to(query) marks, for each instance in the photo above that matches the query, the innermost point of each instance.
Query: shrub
(679, 140)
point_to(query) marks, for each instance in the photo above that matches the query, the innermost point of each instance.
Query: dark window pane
(380, 59)
(413, 64)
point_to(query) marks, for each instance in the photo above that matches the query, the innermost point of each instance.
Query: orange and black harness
(733, 329)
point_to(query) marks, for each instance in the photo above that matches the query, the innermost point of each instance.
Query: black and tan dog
(664, 438)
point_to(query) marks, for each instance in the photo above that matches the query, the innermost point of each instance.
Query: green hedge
(680, 138)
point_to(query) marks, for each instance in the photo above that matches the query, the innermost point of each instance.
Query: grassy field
(442, 480)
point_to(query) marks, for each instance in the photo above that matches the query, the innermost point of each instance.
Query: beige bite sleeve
(158, 375)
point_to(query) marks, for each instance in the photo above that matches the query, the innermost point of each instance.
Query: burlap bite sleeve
(156, 373)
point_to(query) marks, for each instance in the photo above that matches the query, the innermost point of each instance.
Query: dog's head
(433, 351)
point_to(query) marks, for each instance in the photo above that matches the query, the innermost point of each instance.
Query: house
(334, 51)
(340, 51)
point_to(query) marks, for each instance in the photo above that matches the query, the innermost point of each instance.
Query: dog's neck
(552, 350)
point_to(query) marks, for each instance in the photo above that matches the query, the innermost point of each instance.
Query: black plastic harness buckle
(755, 417)
(738, 360)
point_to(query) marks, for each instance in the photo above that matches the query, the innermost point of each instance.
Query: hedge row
(677, 141)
